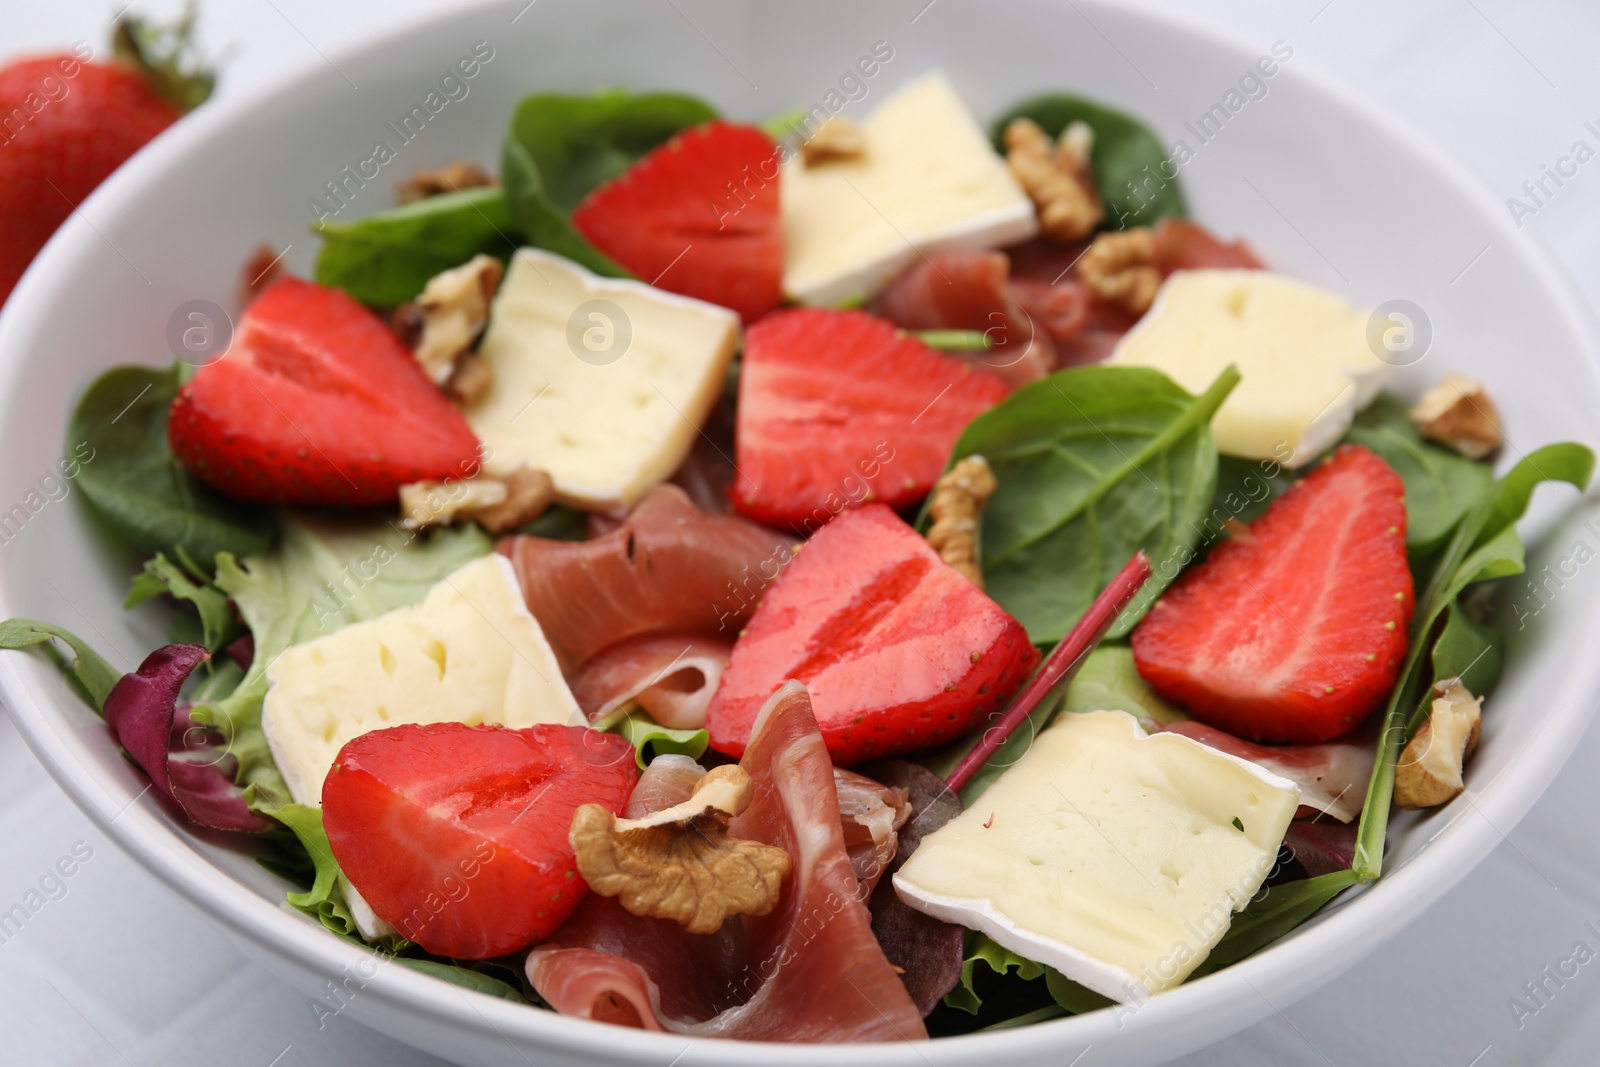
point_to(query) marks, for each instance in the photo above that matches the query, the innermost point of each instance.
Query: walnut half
(679, 863)
(454, 176)
(444, 323)
(1120, 269)
(1430, 769)
(1459, 414)
(499, 504)
(837, 138)
(958, 500)
(1057, 177)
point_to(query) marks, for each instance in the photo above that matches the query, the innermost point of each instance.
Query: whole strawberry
(66, 123)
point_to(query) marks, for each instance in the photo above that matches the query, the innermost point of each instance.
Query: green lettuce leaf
(323, 901)
(983, 953)
(560, 147)
(87, 672)
(161, 576)
(386, 259)
(324, 574)
(650, 739)
(1093, 464)
(138, 486)
(1129, 162)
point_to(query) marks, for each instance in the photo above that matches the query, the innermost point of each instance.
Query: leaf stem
(954, 340)
(1062, 663)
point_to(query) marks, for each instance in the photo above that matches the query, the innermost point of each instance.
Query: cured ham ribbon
(809, 971)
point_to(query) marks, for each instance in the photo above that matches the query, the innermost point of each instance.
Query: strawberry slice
(839, 407)
(457, 835)
(316, 402)
(1296, 630)
(697, 216)
(898, 650)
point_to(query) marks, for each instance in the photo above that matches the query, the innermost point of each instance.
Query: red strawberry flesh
(316, 402)
(1296, 630)
(457, 835)
(899, 651)
(697, 216)
(839, 407)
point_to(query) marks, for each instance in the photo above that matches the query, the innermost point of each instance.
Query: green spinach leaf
(1093, 464)
(1469, 650)
(133, 479)
(1484, 545)
(560, 147)
(464, 976)
(386, 259)
(87, 672)
(1128, 159)
(1440, 485)
(1277, 911)
(1109, 681)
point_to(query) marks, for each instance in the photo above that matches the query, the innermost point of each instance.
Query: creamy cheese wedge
(1304, 361)
(469, 652)
(929, 179)
(601, 382)
(1115, 856)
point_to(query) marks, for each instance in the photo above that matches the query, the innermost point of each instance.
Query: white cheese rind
(929, 180)
(1304, 361)
(469, 652)
(606, 422)
(1107, 853)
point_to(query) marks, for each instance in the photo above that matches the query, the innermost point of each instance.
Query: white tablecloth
(116, 969)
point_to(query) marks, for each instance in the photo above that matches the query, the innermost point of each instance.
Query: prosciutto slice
(871, 815)
(1332, 777)
(809, 971)
(671, 676)
(668, 568)
(963, 290)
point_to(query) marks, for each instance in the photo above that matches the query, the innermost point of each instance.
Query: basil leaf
(1277, 911)
(1440, 485)
(135, 482)
(1109, 681)
(1484, 545)
(87, 672)
(1128, 158)
(560, 147)
(1093, 464)
(386, 259)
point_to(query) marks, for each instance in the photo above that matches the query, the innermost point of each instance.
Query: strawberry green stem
(166, 57)
(1061, 665)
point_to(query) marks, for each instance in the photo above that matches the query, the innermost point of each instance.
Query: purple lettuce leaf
(186, 761)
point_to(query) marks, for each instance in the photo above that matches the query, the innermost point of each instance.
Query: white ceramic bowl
(1323, 185)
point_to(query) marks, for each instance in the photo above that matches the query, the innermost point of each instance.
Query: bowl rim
(1211, 1004)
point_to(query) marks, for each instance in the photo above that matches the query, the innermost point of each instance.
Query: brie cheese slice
(1115, 856)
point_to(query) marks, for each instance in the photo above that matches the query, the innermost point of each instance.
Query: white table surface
(119, 970)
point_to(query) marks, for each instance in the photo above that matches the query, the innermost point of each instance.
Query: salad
(844, 578)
